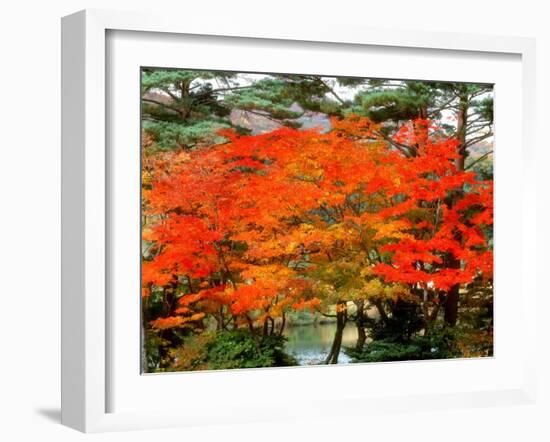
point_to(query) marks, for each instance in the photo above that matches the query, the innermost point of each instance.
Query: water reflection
(310, 344)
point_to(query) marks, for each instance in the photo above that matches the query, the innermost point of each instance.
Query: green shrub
(439, 343)
(240, 349)
(232, 349)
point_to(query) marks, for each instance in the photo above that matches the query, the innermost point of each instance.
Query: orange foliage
(247, 220)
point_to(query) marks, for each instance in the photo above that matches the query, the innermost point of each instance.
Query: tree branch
(160, 103)
(403, 148)
(477, 139)
(481, 158)
(320, 80)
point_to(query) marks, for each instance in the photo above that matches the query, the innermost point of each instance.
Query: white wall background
(30, 214)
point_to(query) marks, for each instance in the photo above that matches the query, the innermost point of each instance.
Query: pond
(310, 344)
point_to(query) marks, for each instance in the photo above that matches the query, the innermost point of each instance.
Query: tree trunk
(451, 302)
(144, 320)
(361, 338)
(341, 318)
(360, 323)
(283, 322)
(381, 311)
(451, 305)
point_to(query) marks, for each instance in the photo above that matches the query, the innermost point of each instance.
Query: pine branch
(160, 103)
(481, 158)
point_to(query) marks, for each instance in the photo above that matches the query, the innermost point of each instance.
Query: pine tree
(470, 110)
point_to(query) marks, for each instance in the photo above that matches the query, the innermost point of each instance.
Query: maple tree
(244, 231)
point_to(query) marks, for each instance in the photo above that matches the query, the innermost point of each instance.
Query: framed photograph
(271, 210)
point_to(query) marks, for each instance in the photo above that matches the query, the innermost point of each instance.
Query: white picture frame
(86, 356)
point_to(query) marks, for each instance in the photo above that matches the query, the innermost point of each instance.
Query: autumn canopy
(301, 219)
